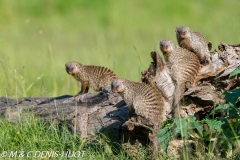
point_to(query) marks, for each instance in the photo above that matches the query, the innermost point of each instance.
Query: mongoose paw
(69, 100)
(79, 97)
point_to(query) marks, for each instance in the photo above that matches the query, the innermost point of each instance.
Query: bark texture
(93, 112)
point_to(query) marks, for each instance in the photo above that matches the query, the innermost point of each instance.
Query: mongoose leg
(84, 88)
(176, 111)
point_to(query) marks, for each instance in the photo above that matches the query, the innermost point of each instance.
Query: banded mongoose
(184, 67)
(164, 81)
(195, 42)
(96, 77)
(158, 76)
(142, 99)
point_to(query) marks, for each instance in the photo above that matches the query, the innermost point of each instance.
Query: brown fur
(195, 42)
(96, 77)
(144, 100)
(184, 67)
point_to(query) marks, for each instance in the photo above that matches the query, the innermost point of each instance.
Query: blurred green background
(38, 37)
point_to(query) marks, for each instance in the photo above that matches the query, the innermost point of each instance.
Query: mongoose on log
(184, 67)
(96, 77)
(144, 100)
(195, 42)
(158, 75)
(141, 98)
(163, 80)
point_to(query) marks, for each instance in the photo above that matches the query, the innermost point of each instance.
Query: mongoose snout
(69, 68)
(166, 46)
(181, 32)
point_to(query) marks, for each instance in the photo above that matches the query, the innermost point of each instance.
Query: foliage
(235, 72)
(165, 134)
(221, 126)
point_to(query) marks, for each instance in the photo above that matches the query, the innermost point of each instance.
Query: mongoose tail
(179, 91)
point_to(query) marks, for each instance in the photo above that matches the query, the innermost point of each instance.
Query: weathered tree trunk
(213, 79)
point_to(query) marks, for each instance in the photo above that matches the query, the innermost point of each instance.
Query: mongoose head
(117, 85)
(72, 67)
(182, 32)
(166, 46)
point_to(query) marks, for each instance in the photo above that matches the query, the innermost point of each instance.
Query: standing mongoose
(184, 67)
(96, 77)
(195, 42)
(164, 82)
(144, 100)
(158, 75)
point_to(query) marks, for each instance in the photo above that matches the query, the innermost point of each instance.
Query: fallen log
(95, 112)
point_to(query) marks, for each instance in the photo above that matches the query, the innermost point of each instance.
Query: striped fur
(183, 64)
(194, 42)
(145, 101)
(97, 77)
(142, 99)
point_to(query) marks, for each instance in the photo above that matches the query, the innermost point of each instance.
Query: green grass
(33, 138)
(38, 37)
